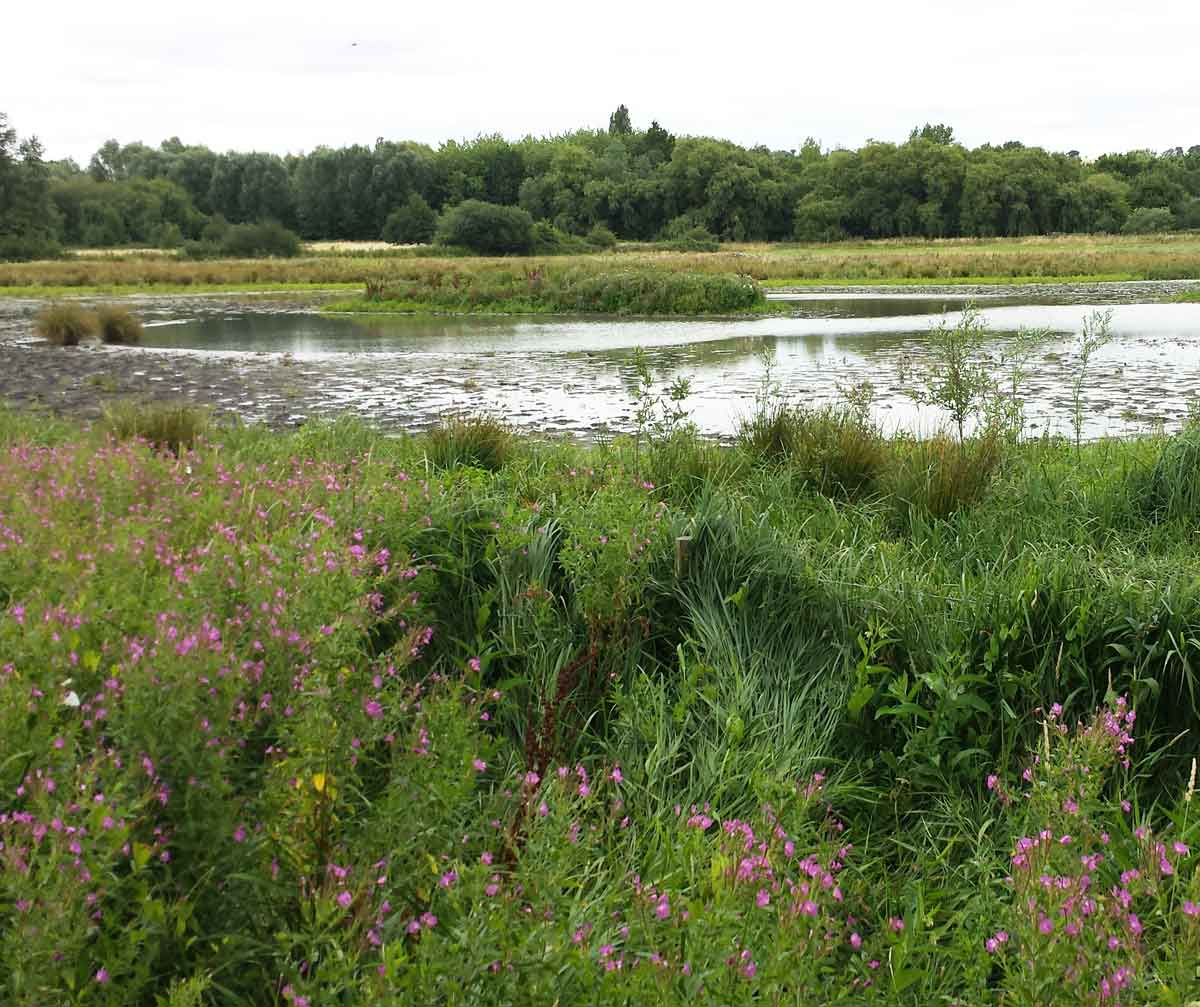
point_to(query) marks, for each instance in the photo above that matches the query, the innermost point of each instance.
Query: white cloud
(1093, 76)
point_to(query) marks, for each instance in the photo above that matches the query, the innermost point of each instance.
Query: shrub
(27, 248)
(486, 228)
(169, 235)
(601, 236)
(549, 240)
(266, 238)
(243, 241)
(1149, 220)
(118, 325)
(215, 229)
(168, 426)
(478, 441)
(65, 324)
(412, 223)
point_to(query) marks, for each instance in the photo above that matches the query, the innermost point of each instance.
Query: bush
(697, 239)
(486, 228)
(170, 427)
(266, 238)
(215, 229)
(117, 325)
(1149, 220)
(412, 223)
(549, 240)
(601, 236)
(27, 248)
(65, 324)
(477, 441)
(169, 235)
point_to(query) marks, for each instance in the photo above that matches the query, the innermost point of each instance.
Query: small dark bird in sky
(354, 43)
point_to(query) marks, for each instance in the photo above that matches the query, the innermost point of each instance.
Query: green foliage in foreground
(332, 717)
(545, 287)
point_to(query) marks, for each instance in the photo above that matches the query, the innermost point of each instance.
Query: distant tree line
(639, 184)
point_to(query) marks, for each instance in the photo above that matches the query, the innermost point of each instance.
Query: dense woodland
(641, 184)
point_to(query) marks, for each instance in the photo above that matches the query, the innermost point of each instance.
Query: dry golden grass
(1137, 257)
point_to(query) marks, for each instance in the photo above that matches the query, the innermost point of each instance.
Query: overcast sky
(1091, 75)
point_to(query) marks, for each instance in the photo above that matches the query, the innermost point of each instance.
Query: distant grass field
(345, 264)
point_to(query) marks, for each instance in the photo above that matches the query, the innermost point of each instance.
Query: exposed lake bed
(278, 360)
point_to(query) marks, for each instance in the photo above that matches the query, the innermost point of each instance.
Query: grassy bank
(546, 288)
(1063, 259)
(469, 718)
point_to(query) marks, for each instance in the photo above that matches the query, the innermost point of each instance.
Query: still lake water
(574, 373)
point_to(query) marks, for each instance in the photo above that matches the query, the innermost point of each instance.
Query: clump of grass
(837, 449)
(118, 325)
(476, 441)
(172, 427)
(937, 477)
(1172, 490)
(65, 324)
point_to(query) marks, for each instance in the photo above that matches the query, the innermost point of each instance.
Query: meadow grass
(472, 717)
(1060, 259)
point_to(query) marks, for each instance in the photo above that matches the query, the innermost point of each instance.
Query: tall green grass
(546, 287)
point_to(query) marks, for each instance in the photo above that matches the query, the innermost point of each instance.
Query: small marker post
(683, 557)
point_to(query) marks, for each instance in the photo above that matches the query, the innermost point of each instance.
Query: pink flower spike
(762, 899)
(479, 765)
(102, 975)
(855, 941)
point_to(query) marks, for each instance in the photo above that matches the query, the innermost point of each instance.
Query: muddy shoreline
(393, 392)
(270, 388)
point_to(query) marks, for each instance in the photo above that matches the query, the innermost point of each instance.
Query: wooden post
(683, 557)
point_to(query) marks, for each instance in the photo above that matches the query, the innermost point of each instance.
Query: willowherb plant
(1087, 883)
